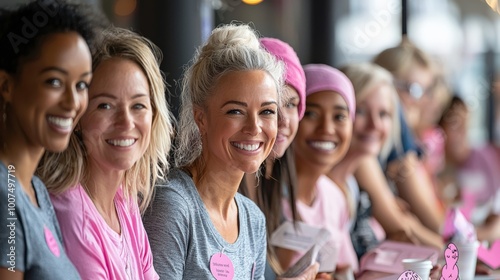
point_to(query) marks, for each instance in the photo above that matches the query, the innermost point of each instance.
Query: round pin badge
(221, 267)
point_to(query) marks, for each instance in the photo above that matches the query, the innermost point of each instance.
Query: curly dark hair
(23, 30)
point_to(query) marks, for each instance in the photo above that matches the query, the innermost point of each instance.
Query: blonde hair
(367, 76)
(229, 48)
(398, 60)
(61, 171)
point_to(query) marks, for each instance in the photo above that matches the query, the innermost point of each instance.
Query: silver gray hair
(229, 48)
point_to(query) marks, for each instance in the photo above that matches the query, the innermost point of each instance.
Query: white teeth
(65, 123)
(323, 145)
(121, 143)
(251, 147)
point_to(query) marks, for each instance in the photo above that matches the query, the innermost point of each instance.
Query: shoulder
(177, 181)
(178, 191)
(177, 188)
(74, 196)
(70, 206)
(172, 198)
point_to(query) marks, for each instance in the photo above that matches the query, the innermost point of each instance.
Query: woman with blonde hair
(117, 152)
(198, 224)
(374, 134)
(414, 75)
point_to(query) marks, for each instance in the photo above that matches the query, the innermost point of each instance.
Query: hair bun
(229, 38)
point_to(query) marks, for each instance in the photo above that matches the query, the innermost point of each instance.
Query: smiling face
(373, 122)
(116, 127)
(288, 122)
(239, 122)
(324, 134)
(49, 94)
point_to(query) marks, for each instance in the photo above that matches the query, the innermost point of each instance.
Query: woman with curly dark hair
(45, 69)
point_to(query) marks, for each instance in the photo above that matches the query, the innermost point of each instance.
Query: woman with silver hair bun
(198, 225)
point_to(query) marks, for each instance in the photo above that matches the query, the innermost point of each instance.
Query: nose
(373, 121)
(252, 126)
(71, 99)
(124, 119)
(327, 126)
(283, 121)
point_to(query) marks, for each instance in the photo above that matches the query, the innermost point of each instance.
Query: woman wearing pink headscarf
(323, 138)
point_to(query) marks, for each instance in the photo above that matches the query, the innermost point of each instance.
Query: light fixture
(493, 5)
(252, 2)
(125, 7)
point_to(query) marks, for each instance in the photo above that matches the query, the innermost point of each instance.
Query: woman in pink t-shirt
(470, 179)
(322, 139)
(116, 153)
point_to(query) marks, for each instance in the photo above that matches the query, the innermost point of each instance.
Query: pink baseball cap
(322, 77)
(295, 76)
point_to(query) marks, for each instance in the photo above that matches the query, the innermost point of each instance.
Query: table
(494, 276)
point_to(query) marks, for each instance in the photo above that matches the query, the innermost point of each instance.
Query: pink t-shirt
(479, 180)
(97, 251)
(329, 210)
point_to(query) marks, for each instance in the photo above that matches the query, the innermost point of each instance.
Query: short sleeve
(167, 225)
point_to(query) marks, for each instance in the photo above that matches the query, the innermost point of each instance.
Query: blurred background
(462, 35)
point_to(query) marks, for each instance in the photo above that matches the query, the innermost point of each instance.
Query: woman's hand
(324, 276)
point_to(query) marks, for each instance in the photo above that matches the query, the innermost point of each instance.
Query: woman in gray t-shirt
(198, 226)
(45, 68)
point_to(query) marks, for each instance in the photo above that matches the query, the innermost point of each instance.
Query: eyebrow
(243, 104)
(58, 69)
(340, 107)
(108, 95)
(336, 107)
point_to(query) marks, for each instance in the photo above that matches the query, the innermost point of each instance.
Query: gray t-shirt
(30, 239)
(183, 238)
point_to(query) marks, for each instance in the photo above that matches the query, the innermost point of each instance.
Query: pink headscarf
(321, 77)
(295, 76)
